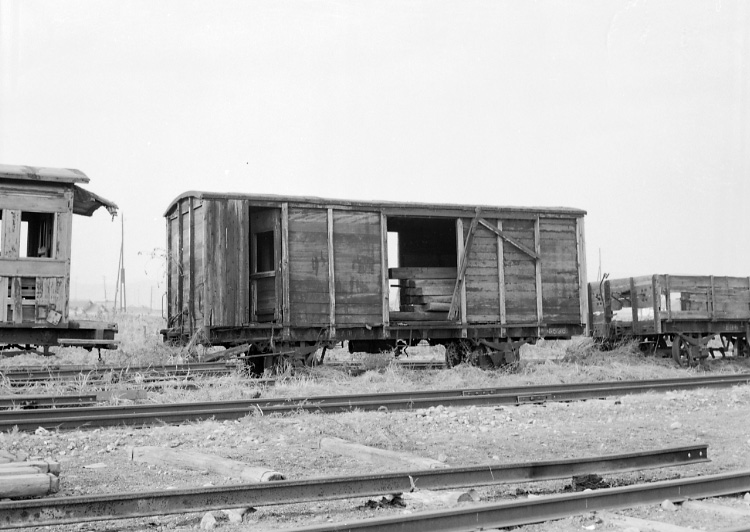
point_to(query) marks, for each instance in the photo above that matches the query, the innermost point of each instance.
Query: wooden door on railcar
(265, 265)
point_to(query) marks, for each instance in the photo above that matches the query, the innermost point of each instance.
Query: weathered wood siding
(309, 296)
(704, 297)
(357, 267)
(482, 279)
(520, 273)
(561, 302)
(226, 278)
(31, 287)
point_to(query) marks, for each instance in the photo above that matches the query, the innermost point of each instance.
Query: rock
(235, 515)
(676, 425)
(668, 506)
(208, 522)
(40, 431)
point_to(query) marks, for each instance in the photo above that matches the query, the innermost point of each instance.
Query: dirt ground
(98, 461)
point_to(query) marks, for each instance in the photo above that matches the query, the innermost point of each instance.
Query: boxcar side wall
(507, 284)
(320, 271)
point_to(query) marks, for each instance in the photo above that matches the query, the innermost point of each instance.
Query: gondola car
(675, 315)
(36, 214)
(281, 277)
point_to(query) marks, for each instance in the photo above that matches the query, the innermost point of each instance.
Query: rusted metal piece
(92, 417)
(541, 509)
(35, 513)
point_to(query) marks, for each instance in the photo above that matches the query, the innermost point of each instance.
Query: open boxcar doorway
(265, 265)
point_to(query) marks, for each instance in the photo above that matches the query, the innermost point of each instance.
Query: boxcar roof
(84, 201)
(426, 209)
(48, 175)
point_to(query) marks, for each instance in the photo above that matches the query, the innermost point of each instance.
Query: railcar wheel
(742, 347)
(456, 352)
(681, 352)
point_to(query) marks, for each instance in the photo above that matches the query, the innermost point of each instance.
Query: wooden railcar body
(675, 313)
(295, 271)
(36, 215)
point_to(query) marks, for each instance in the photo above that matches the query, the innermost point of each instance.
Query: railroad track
(68, 510)
(175, 413)
(25, 375)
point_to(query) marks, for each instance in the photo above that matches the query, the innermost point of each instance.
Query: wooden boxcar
(673, 314)
(36, 214)
(285, 276)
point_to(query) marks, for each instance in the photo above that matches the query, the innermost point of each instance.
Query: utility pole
(120, 286)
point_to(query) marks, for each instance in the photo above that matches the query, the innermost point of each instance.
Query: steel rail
(35, 374)
(548, 508)
(46, 401)
(526, 393)
(66, 510)
(92, 417)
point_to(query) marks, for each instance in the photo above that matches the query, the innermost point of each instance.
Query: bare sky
(636, 111)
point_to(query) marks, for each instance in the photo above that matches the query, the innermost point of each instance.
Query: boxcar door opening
(265, 265)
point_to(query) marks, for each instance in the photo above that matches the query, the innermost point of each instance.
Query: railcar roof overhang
(84, 201)
(425, 209)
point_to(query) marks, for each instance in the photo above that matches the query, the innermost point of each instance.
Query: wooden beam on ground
(232, 351)
(374, 455)
(198, 461)
(42, 465)
(30, 485)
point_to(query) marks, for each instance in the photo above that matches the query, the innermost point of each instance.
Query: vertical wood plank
(331, 278)
(3, 299)
(460, 257)
(634, 306)
(501, 275)
(538, 270)
(180, 263)
(63, 245)
(64, 231)
(669, 297)
(711, 300)
(244, 263)
(655, 292)
(207, 210)
(285, 265)
(16, 296)
(583, 275)
(384, 272)
(11, 233)
(191, 265)
(170, 286)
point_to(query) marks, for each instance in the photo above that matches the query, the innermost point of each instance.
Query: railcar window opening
(264, 246)
(37, 235)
